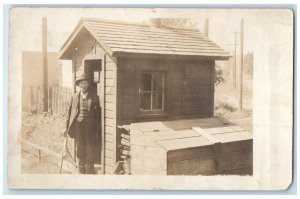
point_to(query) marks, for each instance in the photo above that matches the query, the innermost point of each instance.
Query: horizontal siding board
(110, 114)
(110, 98)
(109, 161)
(110, 106)
(110, 122)
(110, 130)
(109, 169)
(110, 82)
(110, 146)
(111, 74)
(109, 153)
(110, 138)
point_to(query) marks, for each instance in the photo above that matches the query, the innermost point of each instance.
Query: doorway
(92, 68)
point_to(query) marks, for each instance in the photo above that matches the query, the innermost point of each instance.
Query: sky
(261, 27)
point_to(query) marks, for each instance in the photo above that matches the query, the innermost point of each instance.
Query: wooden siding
(87, 47)
(110, 115)
(189, 88)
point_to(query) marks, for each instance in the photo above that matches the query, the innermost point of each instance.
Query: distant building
(32, 77)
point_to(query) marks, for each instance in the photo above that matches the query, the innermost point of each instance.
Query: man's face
(84, 86)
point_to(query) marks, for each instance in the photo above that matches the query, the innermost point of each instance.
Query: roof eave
(170, 56)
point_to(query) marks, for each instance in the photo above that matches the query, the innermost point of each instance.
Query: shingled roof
(129, 39)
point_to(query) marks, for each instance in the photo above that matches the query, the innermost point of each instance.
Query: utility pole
(45, 64)
(234, 58)
(241, 64)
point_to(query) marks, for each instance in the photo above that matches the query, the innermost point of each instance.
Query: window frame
(153, 112)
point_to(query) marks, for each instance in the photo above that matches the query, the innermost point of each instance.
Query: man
(82, 123)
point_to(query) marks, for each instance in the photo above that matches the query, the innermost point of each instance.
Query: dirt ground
(45, 131)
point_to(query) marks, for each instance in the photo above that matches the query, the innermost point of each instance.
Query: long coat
(73, 111)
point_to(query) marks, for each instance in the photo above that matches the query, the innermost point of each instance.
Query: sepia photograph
(134, 95)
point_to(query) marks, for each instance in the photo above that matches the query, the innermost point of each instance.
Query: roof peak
(113, 21)
(133, 23)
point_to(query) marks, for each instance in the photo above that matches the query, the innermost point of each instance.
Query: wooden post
(241, 63)
(45, 64)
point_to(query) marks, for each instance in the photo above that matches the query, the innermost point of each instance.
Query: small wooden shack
(141, 74)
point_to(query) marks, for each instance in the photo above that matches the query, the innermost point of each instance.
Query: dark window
(152, 91)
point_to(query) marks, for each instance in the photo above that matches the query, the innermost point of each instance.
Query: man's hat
(83, 77)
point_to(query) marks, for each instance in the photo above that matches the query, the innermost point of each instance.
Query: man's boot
(81, 167)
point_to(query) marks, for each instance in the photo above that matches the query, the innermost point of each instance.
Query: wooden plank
(111, 74)
(151, 126)
(110, 82)
(234, 136)
(125, 136)
(109, 153)
(127, 91)
(109, 137)
(109, 161)
(146, 162)
(111, 98)
(110, 146)
(149, 152)
(191, 167)
(110, 66)
(235, 160)
(183, 143)
(110, 114)
(204, 152)
(218, 130)
(237, 146)
(125, 142)
(110, 130)
(109, 169)
(128, 107)
(206, 135)
(110, 122)
(110, 106)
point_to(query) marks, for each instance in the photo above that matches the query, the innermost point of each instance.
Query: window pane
(146, 82)
(157, 101)
(146, 101)
(158, 81)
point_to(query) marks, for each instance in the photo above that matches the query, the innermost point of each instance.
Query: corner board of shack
(156, 90)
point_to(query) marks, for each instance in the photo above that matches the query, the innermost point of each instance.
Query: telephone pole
(45, 64)
(241, 64)
(234, 57)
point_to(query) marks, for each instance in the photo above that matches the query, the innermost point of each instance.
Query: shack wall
(189, 89)
(88, 46)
